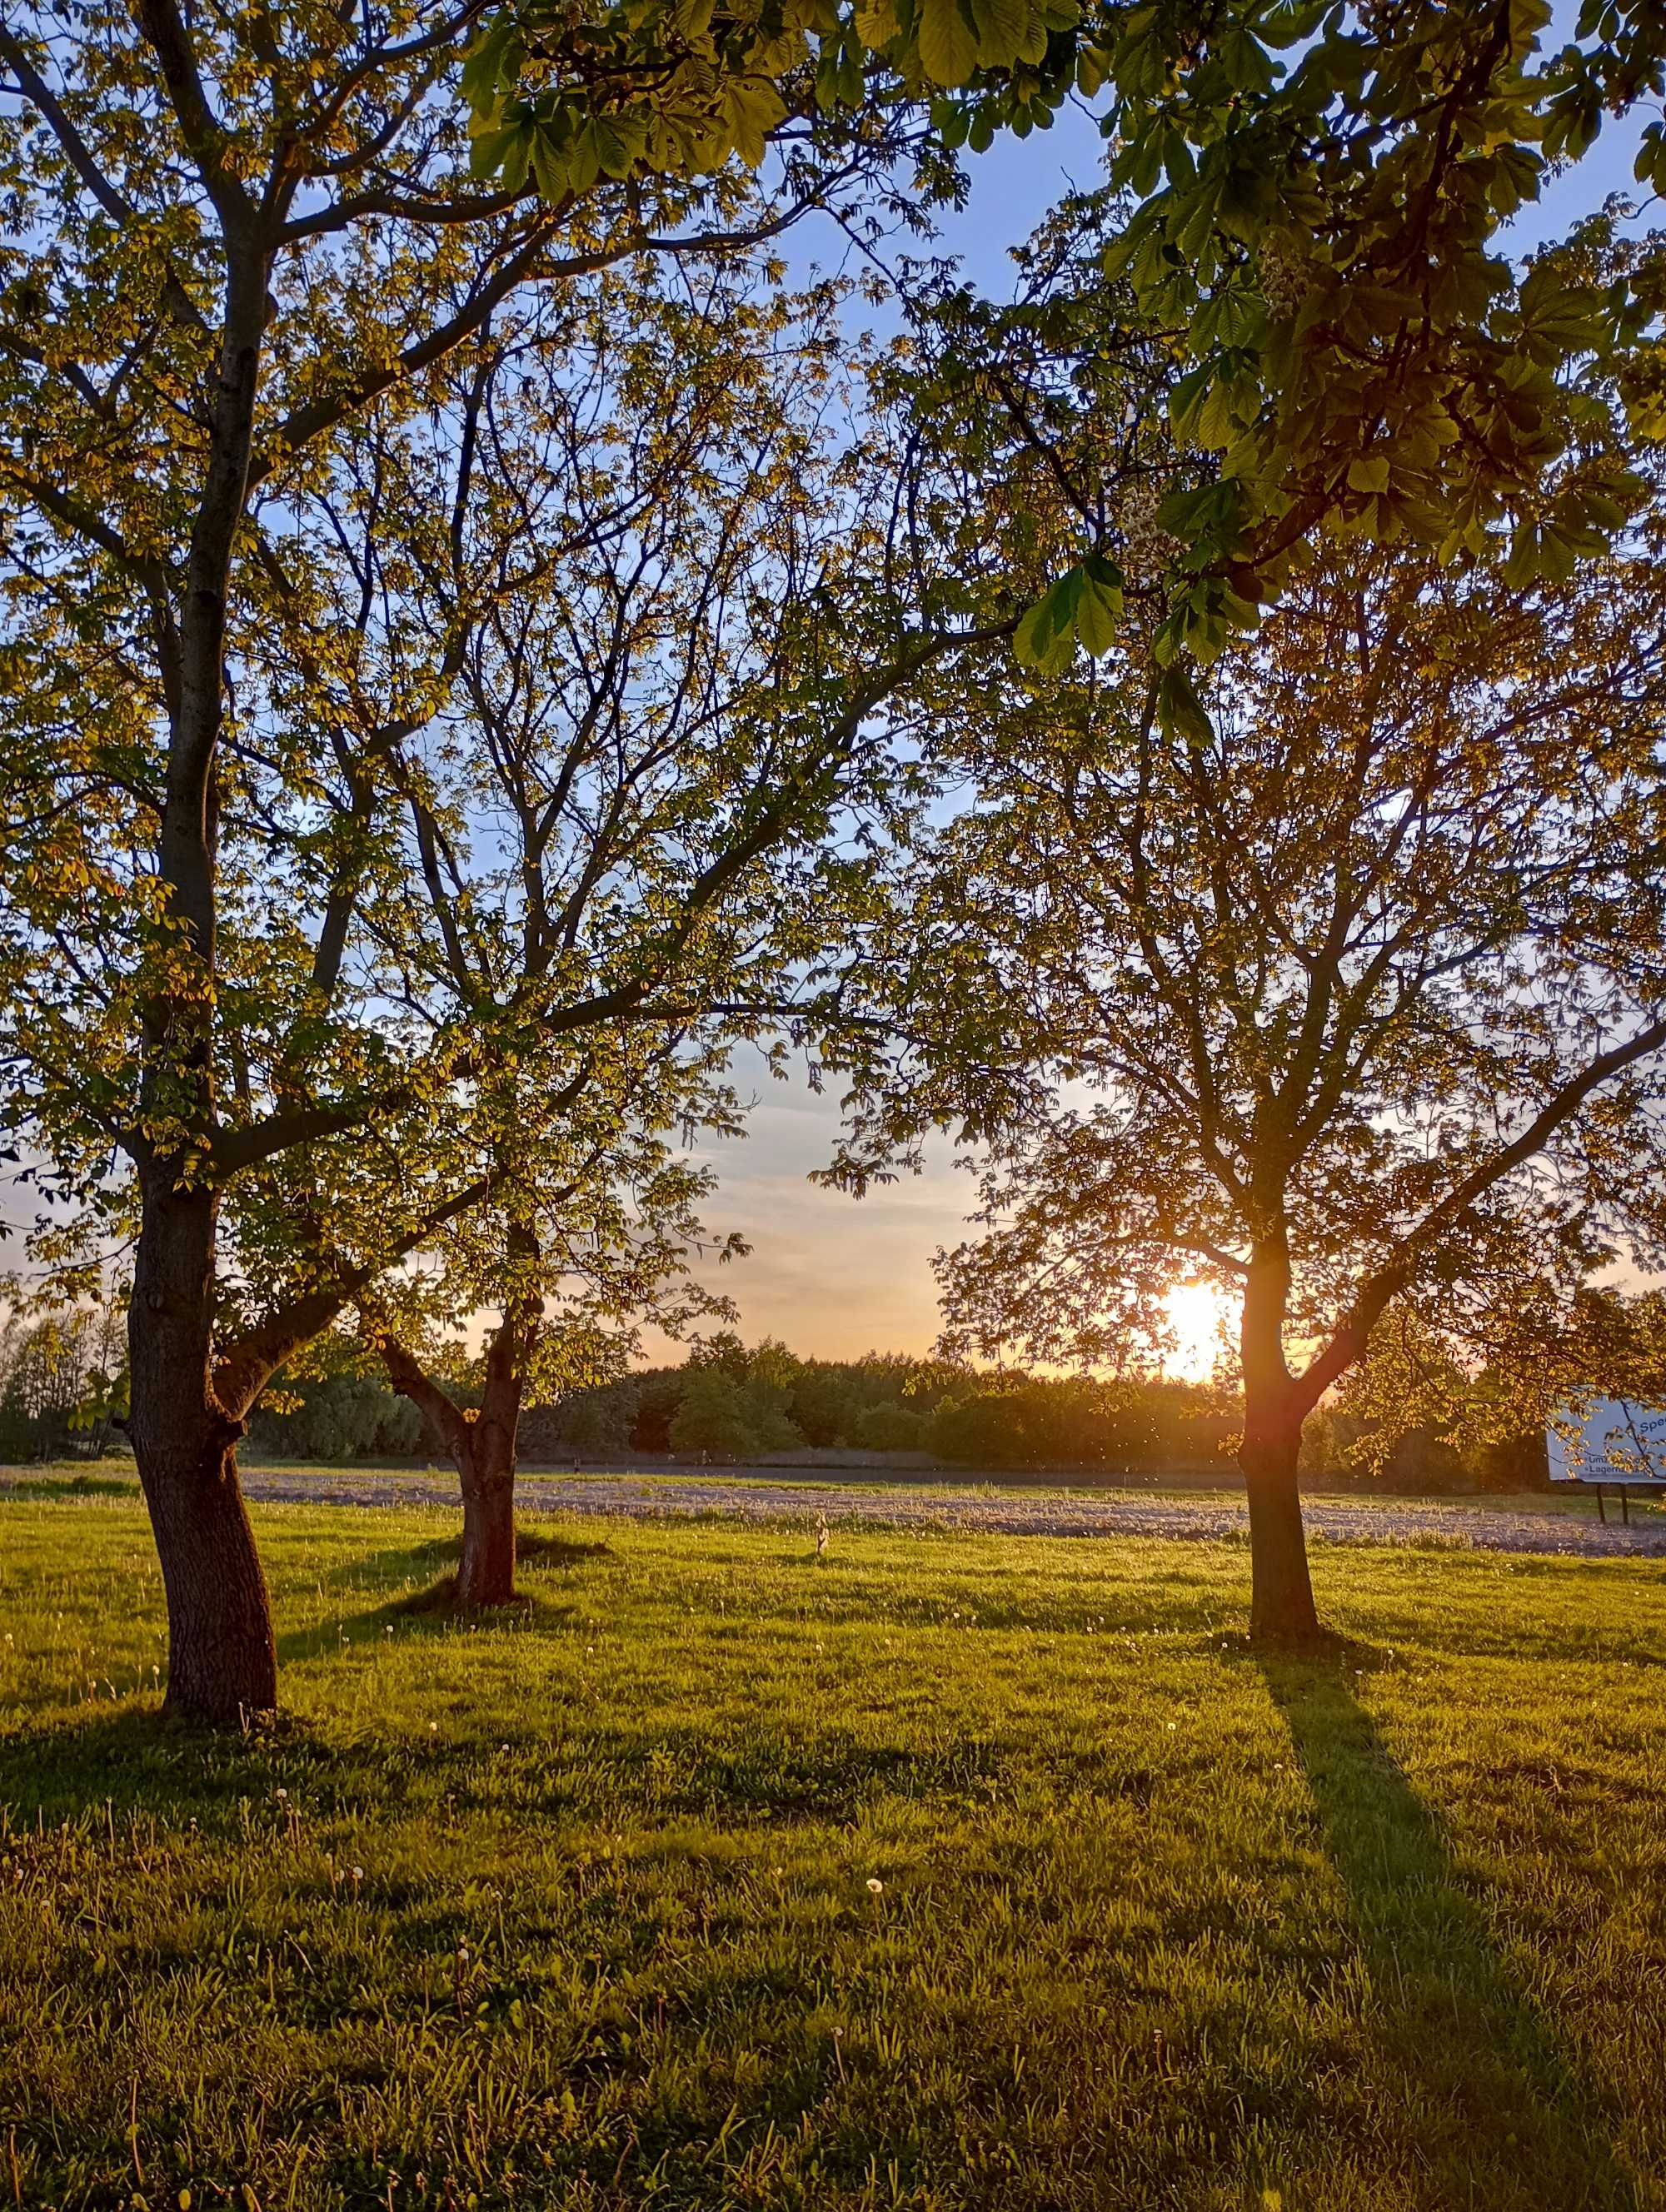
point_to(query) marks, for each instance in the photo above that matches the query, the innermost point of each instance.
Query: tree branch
(1348, 1343)
(242, 1372)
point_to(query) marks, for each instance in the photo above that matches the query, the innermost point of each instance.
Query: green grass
(573, 1910)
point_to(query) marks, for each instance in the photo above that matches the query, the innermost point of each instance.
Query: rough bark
(1281, 1608)
(222, 1658)
(486, 1572)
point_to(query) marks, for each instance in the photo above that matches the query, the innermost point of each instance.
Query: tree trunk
(486, 1575)
(481, 1446)
(1281, 1608)
(486, 1465)
(222, 1658)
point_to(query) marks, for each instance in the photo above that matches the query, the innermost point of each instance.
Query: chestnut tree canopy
(1347, 996)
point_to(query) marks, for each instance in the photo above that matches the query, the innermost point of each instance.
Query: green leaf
(487, 151)
(1521, 565)
(1246, 64)
(948, 43)
(550, 167)
(1002, 26)
(481, 71)
(1179, 709)
(584, 160)
(1044, 638)
(1369, 473)
(612, 149)
(1515, 178)
(1101, 604)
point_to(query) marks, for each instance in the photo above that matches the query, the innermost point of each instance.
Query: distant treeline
(731, 1402)
(63, 1382)
(63, 1393)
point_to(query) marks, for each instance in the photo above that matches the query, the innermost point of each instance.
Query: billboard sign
(1618, 1440)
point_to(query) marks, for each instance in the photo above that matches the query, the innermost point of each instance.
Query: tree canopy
(1312, 193)
(226, 240)
(1351, 995)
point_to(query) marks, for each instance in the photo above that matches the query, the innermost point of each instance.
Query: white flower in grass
(875, 1884)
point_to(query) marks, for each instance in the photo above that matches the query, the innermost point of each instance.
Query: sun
(1196, 1312)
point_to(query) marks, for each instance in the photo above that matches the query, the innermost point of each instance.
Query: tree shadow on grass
(97, 1766)
(1493, 2112)
(537, 1550)
(431, 1606)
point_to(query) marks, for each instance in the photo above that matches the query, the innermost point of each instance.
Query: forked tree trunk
(481, 1444)
(1281, 1608)
(222, 1657)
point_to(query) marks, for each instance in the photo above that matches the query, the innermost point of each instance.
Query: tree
(227, 239)
(1345, 997)
(595, 1423)
(1315, 239)
(586, 1237)
(1545, 1357)
(62, 1377)
(723, 1417)
(642, 571)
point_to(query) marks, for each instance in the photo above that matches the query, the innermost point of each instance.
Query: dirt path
(1440, 1522)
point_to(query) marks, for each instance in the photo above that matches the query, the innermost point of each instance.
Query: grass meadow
(943, 1872)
